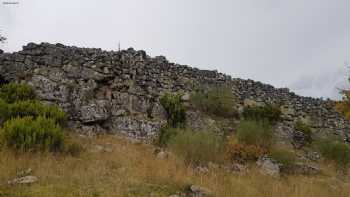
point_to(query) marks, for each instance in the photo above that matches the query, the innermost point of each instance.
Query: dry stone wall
(119, 91)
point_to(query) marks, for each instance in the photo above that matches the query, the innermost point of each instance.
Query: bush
(165, 135)
(13, 92)
(28, 134)
(236, 152)
(305, 129)
(255, 133)
(283, 156)
(268, 113)
(32, 108)
(175, 109)
(218, 101)
(335, 151)
(197, 148)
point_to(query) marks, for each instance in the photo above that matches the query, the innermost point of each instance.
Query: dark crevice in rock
(3, 81)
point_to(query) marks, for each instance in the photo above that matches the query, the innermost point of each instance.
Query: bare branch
(2, 38)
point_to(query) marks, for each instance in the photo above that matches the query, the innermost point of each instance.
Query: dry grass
(132, 170)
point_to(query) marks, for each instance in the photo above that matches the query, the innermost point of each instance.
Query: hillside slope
(114, 167)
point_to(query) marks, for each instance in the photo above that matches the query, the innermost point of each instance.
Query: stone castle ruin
(119, 91)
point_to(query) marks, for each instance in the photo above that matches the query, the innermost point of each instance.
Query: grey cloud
(326, 85)
(273, 41)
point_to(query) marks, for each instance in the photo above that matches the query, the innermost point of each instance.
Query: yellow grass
(133, 170)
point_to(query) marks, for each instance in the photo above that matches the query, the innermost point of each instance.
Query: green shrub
(283, 156)
(175, 109)
(28, 134)
(255, 133)
(338, 152)
(268, 113)
(165, 135)
(32, 108)
(197, 148)
(304, 128)
(218, 101)
(13, 92)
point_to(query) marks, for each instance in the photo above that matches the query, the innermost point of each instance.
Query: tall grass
(285, 157)
(197, 148)
(132, 170)
(166, 134)
(305, 129)
(218, 101)
(269, 113)
(255, 133)
(336, 151)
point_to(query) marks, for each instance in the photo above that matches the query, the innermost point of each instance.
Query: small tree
(344, 105)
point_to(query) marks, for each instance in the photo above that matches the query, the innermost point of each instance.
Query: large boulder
(269, 166)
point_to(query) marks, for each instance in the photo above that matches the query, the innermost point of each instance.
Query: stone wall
(109, 91)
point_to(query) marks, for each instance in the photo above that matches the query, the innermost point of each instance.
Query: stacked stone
(118, 91)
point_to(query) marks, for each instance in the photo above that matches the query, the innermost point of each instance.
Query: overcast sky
(300, 44)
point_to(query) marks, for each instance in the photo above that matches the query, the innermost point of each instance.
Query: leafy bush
(237, 152)
(283, 156)
(197, 148)
(165, 135)
(268, 113)
(305, 129)
(32, 108)
(175, 109)
(13, 92)
(27, 123)
(255, 133)
(335, 151)
(218, 101)
(28, 134)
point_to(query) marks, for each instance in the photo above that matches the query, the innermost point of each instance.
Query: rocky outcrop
(269, 166)
(118, 92)
(103, 91)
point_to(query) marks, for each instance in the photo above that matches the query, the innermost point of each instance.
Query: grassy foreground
(124, 168)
